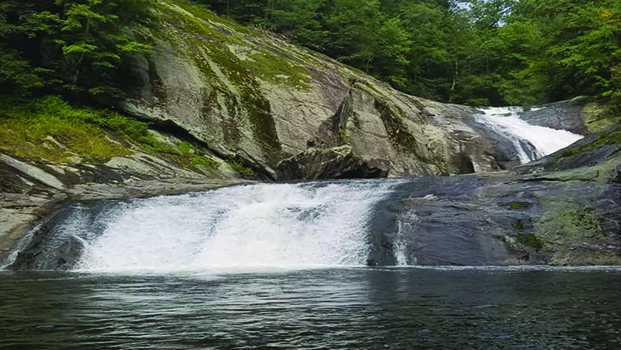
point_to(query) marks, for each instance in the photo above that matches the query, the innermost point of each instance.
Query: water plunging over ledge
(278, 225)
(471, 220)
(531, 142)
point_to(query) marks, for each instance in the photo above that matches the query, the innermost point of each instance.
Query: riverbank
(31, 191)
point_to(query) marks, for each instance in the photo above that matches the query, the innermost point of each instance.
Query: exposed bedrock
(256, 97)
(467, 220)
(255, 104)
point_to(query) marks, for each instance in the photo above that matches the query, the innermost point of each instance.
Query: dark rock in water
(61, 257)
(563, 115)
(442, 222)
(600, 148)
(332, 163)
(500, 220)
(384, 226)
(506, 155)
(58, 244)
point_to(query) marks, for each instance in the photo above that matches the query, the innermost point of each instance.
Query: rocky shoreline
(31, 191)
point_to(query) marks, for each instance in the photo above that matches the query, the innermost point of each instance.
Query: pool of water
(326, 308)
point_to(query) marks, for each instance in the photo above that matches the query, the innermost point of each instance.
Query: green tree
(16, 73)
(77, 46)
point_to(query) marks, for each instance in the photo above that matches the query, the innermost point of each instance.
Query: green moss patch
(205, 14)
(569, 224)
(241, 169)
(211, 32)
(191, 155)
(234, 83)
(278, 70)
(516, 205)
(530, 240)
(51, 129)
(605, 138)
(601, 116)
(518, 225)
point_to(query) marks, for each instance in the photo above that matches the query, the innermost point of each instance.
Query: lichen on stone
(516, 205)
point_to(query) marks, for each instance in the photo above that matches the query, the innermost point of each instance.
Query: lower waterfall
(281, 225)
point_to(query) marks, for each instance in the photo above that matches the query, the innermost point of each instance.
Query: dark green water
(348, 308)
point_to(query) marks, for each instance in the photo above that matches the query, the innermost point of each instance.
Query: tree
(77, 46)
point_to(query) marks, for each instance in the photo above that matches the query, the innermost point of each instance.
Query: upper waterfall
(531, 142)
(280, 225)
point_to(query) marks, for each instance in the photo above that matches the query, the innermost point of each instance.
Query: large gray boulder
(253, 96)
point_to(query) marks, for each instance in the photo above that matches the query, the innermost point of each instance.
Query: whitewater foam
(506, 122)
(282, 225)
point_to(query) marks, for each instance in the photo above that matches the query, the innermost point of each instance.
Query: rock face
(596, 152)
(253, 96)
(561, 209)
(616, 175)
(565, 115)
(501, 219)
(569, 217)
(332, 163)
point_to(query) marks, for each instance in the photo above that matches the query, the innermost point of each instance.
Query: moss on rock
(51, 129)
(571, 223)
(515, 205)
(530, 240)
(278, 70)
(240, 92)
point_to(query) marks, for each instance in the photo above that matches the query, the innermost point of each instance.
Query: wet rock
(332, 163)
(33, 172)
(616, 175)
(61, 258)
(498, 219)
(564, 115)
(593, 151)
(32, 191)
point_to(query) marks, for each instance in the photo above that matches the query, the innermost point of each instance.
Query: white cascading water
(506, 122)
(276, 225)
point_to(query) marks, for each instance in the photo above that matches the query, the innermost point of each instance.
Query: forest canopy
(477, 52)
(74, 47)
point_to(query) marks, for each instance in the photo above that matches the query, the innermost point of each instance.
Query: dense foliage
(472, 51)
(476, 52)
(75, 47)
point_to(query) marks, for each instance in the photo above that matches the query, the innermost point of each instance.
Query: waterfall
(531, 142)
(281, 225)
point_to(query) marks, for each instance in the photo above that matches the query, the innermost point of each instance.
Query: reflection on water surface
(347, 308)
